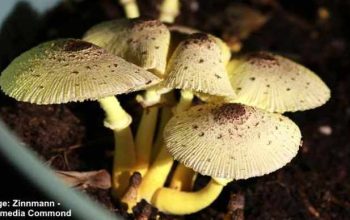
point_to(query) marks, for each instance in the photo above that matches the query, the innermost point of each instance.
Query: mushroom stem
(130, 7)
(183, 178)
(158, 172)
(185, 101)
(146, 129)
(119, 120)
(124, 160)
(156, 175)
(182, 203)
(116, 117)
(166, 114)
(169, 10)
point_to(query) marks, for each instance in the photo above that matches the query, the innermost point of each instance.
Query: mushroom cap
(232, 141)
(69, 70)
(142, 42)
(180, 33)
(275, 83)
(197, 65)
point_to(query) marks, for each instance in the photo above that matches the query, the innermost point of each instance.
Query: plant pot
(32, 168)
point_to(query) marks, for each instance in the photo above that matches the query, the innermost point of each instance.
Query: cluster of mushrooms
(236, 132)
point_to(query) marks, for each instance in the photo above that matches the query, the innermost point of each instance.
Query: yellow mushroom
(139, 41)
(227, 142)
(275, 83)
(70, 70)
(195, 66)
(144, 43)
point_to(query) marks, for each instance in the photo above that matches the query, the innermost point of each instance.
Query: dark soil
(315, 185)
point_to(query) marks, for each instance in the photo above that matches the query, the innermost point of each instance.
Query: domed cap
(180, 33)
(231, 141)
(275, 83)
(197, 65)
(142, 42)
(69, 70)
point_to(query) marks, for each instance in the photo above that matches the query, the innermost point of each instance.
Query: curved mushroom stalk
(156, 175)
(130, 7)
(182, 203)
(183, 178)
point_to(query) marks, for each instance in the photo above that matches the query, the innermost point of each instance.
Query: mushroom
(144, 43)
(205, 75)
(70, 70)
(227, 142)
(275, 83)
(178, 34)
(195, 66)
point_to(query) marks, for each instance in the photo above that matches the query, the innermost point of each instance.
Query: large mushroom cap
(232, 141)
(142, 42)
(275, 83)
(197, 65)
(69, 70)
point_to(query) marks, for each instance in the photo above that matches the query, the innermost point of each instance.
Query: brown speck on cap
(199, 39)
(76, 45)
(141, 23)
(262, 59)
(228, 113)
(236, 148)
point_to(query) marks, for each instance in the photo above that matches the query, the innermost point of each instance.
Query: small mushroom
(139, 41)
(70, 70)
(275, 83)
(144, 43)
(195, 66)
(227, 142)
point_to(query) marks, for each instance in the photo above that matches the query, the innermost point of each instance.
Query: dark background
(315, 185)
